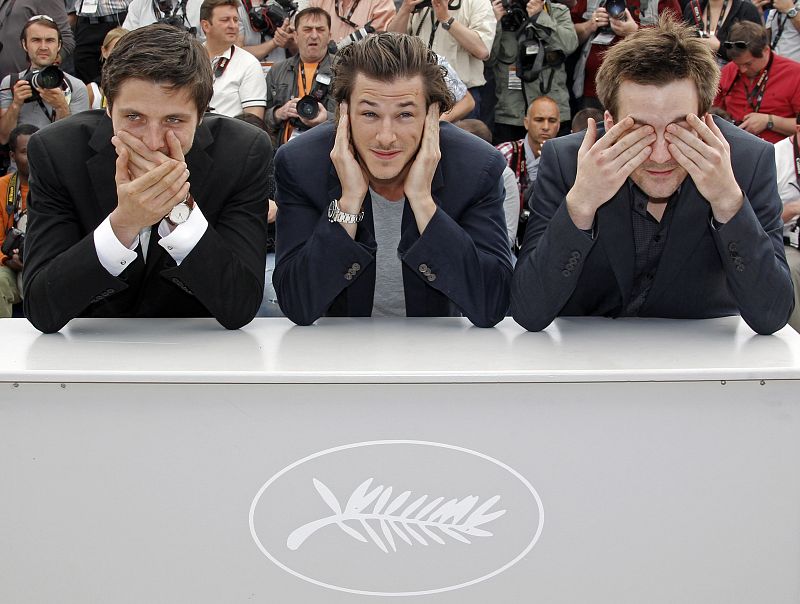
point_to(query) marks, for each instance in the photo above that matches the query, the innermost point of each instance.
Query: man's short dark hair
(312, 11)
(39, 20)
(387, 57)
(657, 56)
(208, 6)
(580, 120)
(21, 130)
(162, 54)
(476, 127)
(753, 34)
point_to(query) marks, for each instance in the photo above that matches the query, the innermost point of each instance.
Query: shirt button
(123, 263)
(169, 247)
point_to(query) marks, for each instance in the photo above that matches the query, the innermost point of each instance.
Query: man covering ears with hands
(666, 214)
(151, 209)
(390, 212)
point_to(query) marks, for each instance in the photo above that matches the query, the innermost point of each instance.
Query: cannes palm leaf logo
(368, 512)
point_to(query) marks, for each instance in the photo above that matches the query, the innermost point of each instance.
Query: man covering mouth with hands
(663, 212)
(152, 209)
(389, 212)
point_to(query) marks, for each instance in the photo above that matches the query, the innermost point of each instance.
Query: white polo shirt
(240, 85)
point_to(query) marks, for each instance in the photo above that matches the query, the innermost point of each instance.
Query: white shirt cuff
(184, 237)
(114, 256)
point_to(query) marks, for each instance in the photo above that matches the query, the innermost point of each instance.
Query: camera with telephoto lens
(354, 37)
(49, 77)
(15, 240)
(516, 14)
(268, 17)
(308, 106)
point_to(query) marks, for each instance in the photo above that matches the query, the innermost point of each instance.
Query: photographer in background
(602, 24)
(264, 29)
(43, 93)
(530, 46)
(14, 189)
(349, 16)
(713, 20)
(299, 85)
(183, 14)
(461, 31)
(783, 23)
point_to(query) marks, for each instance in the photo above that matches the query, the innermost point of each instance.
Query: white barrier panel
(624, 462)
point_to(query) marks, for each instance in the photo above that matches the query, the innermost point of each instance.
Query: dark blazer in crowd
(460, 265)
(704, 272)
(72, 190)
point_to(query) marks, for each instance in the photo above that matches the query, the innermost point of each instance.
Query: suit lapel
(690, 222)
(102, 167)
(615, 230)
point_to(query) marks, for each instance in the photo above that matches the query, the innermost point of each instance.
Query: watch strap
(336, 214)
(448, 24)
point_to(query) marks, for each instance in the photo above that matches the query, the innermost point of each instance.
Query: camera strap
(697, 14)
(781, 25)
(796, 159)
(14, 198)
(756, 95)
(306, 88)
(719, 21)
(221, 64)
(349, 16)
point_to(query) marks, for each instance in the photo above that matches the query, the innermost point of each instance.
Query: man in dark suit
(617, 228)
(386, 214)
(158, 211)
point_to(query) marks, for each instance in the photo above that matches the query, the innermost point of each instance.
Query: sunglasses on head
(40, 17)
(737, 44)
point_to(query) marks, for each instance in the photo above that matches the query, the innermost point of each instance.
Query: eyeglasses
(741, 45)
(40, 17)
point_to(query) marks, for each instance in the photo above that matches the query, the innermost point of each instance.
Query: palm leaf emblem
(375, 515)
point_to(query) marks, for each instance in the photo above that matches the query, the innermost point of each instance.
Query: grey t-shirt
(389, 299)
(33, 113)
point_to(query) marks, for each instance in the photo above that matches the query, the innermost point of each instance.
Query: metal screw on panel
(16, 384)
(63, 385)
(763, 382)
(723, 382)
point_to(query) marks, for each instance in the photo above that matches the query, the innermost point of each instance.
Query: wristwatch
(792, 12)
(770, 124)
(335, 214)
(181, 212)
(446, 25)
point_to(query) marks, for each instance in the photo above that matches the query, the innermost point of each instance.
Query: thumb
(122, 176)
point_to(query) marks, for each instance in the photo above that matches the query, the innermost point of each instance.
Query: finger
(166, 188)
(692, 140)
(136, 161)
(616, 132)
(164, 203)
(343, 128)
(121, 175)
(712, 125)
(174, 146)
(697, 159)
(589, 138)
(633, 151)
(702, 129)
(137, 146)
(685, 162)
(151, 178)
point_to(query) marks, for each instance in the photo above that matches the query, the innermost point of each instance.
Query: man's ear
(205, 25)
(608, 120)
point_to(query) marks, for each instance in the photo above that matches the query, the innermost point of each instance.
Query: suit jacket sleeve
(224, 271)
(542, 282)
(751, 248)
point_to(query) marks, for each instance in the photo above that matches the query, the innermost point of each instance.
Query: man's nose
(743, 69)
(660, 153)
(386, 135)
(154, 138)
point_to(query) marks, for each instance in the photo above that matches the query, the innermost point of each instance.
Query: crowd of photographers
(524, 69)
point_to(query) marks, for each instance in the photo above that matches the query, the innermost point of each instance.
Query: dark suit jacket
(72, 190)
(461, 264)
(704, 272)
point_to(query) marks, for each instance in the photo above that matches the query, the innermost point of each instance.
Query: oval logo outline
(485, 577)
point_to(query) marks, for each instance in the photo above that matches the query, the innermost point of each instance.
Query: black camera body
(516, 14)
(616, 9)
(178, 22)
(268, 17)
(15, 240)
(49, 77)
(308, 106)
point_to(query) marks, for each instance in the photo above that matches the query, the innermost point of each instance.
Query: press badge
(514, 83)
(88, 7)
(604, 38)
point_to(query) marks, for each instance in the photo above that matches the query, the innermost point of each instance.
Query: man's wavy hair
(657, 56)
(387, 57)
(162, 54)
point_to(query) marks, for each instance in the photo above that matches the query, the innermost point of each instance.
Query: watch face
(180, 213)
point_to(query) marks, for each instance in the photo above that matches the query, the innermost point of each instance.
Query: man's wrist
(351, 204)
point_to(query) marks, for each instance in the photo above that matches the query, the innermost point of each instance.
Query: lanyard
(719, 21)
(221, 64)
(756, 95)
(349, 14)
(306, 90)
(796, 159)
(14, 198)
(781, 25)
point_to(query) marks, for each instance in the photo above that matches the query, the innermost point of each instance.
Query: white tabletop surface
(395, 350)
